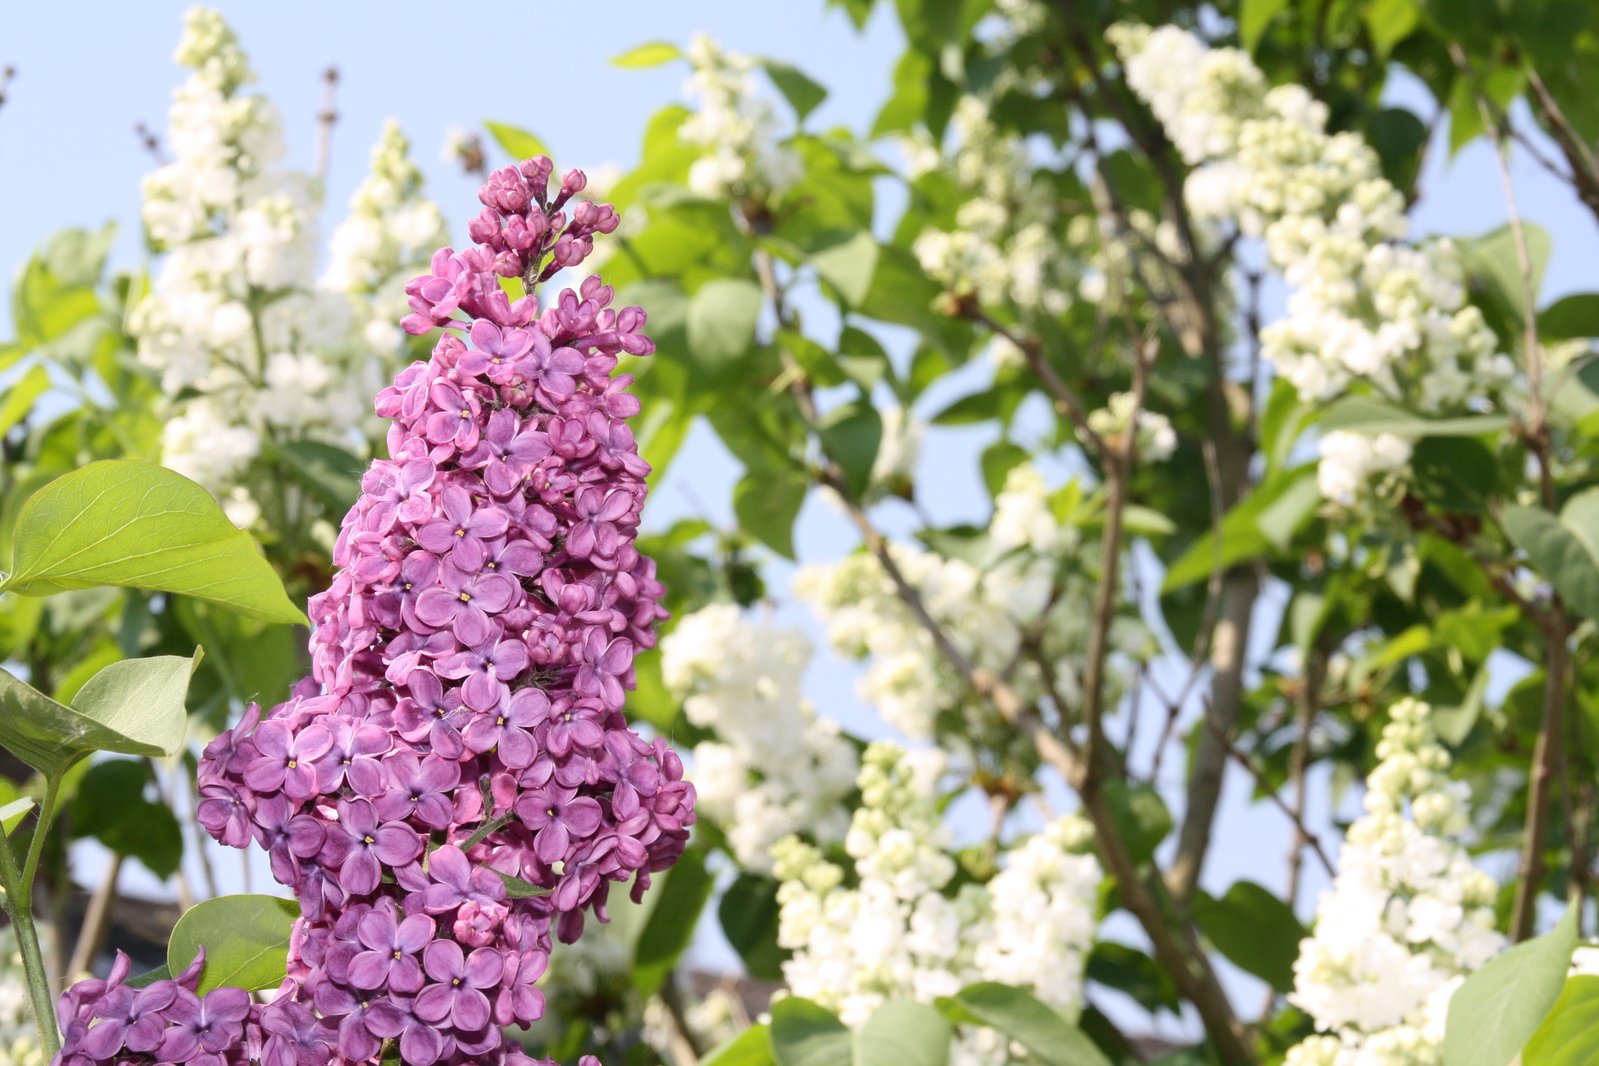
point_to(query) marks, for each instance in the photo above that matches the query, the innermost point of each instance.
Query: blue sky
(69, 156)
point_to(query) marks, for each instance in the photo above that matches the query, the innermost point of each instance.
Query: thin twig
(325, 119)
(6, 74)
(96, 920)
(150, 141)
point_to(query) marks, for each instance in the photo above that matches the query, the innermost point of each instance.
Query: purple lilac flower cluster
(455, 781)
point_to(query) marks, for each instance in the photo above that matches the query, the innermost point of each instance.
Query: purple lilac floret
(454, 786)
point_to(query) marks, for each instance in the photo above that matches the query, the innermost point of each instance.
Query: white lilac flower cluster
(1366, 307)
(1154, 436)
(1407, 917)
(390, 231)
(735, 126)
(19, 1037)
(901, 932)
(1031, 587)
(1006, 246)
(775, 768)
(248, 351)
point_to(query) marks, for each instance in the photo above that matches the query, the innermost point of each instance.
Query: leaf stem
(19, 908)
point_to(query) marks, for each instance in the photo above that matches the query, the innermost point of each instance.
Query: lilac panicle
(455, 786)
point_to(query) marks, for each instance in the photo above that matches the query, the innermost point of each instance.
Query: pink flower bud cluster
(455, 782)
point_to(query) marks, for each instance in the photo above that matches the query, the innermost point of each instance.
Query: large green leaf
(666, 935)
(807, 1034)
(767, 502)
(1253, 18)
(802, 92)
(246, 941)
(1024, 1018)
(518, 143)
(1368, 414)
(134, 524)
(851, 436)
(752, 1047)
(848, 266)
(1569, 1036)
(721, 321)
(133, 707)
(1493, 261)
(1498, 1008)
(331, 474)
(111, 807)
(748, 913)
(1263, 522)
(903, 1033)
(1254, 929)
(1571, 316)
(1564, 549)
(20, 397)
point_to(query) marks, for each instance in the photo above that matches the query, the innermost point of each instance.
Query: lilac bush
(455, 785)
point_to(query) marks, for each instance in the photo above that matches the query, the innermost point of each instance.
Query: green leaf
(149, 977)
(331, 474)
(766, 503)
(848, 266)
(802, 92)
(806, 1034)
(752, 1047)
(12, 813)
(670, 927)
(1492, 259)
(111, 807)
(1454, 473)
(851, 436)
(722, 315)
(516, 888)
(903, 1033)
(246, 941)
(519, 144)
(1265, 519)
(133, 707)
(1498, 1008)
(748, 915)
(1253, 18)
(1568, 1036)
(1254, 929)
(1570, 316)
(138, 525)
(1563, 549)
(1021, 1016)
(649, 54)
(1389, 22)
(1367, 414)
(930, 24)
(1141, 816)
(998, 460)
(20, 397)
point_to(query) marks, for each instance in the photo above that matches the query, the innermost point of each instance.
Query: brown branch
(1584, 170)
(1176, 945)
(1299, 765)
(1547, 757)
(150, 141)
(6, 74)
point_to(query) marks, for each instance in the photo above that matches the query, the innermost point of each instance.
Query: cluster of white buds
(250, 353)
(735, 127)
(901, 930)
(1407, 917)
(1368, 310)
(775, 768)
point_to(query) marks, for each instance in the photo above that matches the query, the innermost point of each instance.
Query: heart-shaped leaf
(132, 707)
(246, 941)
(137, 525)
